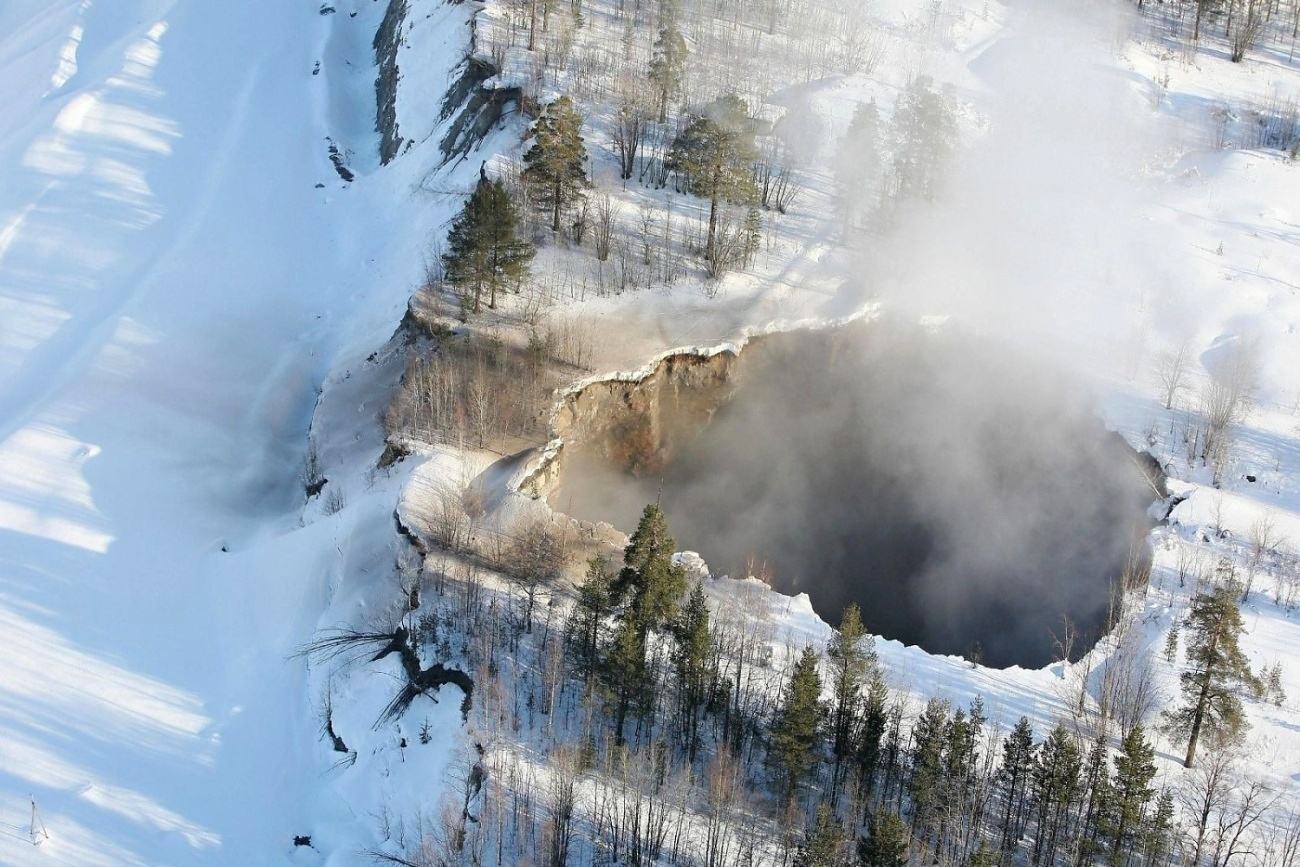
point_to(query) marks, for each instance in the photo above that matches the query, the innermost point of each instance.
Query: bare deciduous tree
(1205, 789)
(1246, 19)
(630, 124)
(535, 559)
(1246, 804)
(565, 768)
(1171, 368)
(1227, 399)
(1264, 541)
(602, 234)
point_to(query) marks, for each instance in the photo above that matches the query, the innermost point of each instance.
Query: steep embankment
(180, 270)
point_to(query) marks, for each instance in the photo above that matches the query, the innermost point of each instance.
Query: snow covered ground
(187, 286)
(181, 270)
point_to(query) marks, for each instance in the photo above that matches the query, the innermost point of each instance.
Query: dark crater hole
(966, 498)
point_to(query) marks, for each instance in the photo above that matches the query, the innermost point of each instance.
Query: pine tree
(1134, 769)
(1157, 835)
(857, 165)
(649, 576)
(975, 712)
(556, 164)
(1273, 684)
(1056, 783)
(927, 763)
(714, 155)
(592, 608)
(925, 135)
(655, 585)
(668, 62)
(892, 754)
(886, 842)
(1017, 766)
(983, 856)
(871, 731)
(753, 236)
(483, 251)
(625, 674)
(959, 748)
(796, 731)
(1217, 668)
(954, 781)
(823, 843)
(692, 659)
(852, 655)
(1096, 782)
(1171, 643)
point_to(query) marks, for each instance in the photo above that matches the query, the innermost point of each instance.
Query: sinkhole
(969, 500)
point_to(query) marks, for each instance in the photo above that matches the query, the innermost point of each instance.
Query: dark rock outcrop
(387, 41)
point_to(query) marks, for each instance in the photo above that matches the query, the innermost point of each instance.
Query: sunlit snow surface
(174, 290)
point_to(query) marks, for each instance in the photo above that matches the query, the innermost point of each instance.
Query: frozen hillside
(181, 268)
(276, 584)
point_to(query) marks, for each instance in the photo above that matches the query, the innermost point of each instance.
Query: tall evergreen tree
(871, 732)
(625, 674)
(925, 135)
(958, 755)
(823, 844)
(1134, 769)
(1096, 782)
(714, 155)
(1156, 839)
(857, 163)
(592, 608)
(975, 713)
(886, 842)
(1017, 767)
(649, 576)
(556, 165)
(796, 731)
(1217, 669)
(668, 62)
(924, 786)
(649, 588)
(1056, 783)
(483, 249)
(851, 654)
(693, 661)
(892, 754)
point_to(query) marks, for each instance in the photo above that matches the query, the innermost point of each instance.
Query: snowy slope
(174, 288)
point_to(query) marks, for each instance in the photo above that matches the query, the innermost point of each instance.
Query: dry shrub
(471, 390)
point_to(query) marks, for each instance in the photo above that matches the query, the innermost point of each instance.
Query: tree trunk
(713, 213)
(1201, 702)
(559, 190)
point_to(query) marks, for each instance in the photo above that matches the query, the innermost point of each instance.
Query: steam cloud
(1041, 233)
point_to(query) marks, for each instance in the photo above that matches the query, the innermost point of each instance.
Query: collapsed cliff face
(965, 498)
(638, 424)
